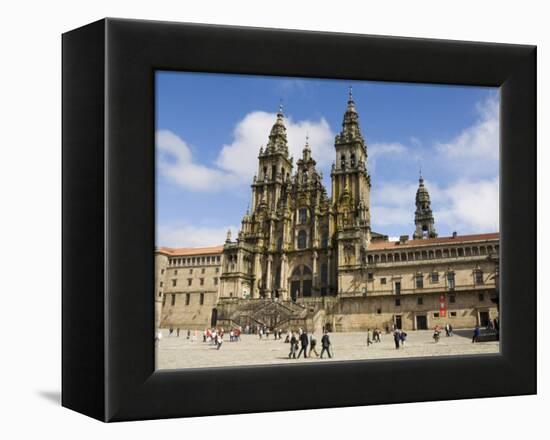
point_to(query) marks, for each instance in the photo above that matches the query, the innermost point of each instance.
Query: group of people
(373, 336)
(264, 331)
(215, 336)
(301, 338)
(399, 338)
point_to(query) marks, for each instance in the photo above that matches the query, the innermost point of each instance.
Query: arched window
(302, 216)
(343, 160)
(302, 239)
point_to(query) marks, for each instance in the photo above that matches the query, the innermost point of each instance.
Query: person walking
(312, 345)
(220, 340)
(304, 340)
(403, 337)
(325, 343)
(377, 335)
(293, 344)
(477, 333)
(369, 337)
(170, 331)
(451, 330)
(447, 332)
(396, 338)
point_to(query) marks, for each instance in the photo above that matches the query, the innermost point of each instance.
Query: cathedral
(304, 257)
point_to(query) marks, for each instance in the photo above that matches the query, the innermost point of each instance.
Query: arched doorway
(301, 281)
(214, 318)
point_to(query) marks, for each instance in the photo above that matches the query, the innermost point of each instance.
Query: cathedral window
(452, 299)
(398, 287)
(478, 277)
(201, 299)
(481, 297)
(420, 301)
(215, 281)
(189, 281)
(302, 239)
(435, 277)
(419, 281)
(343, 160)
(174, 281)
(398, 302)
(187, 299)
(173, 303)
(307, 271)
(302, 216)
(370, 276)
(324, 240)
(324, 273)
(382, 280)
(451, 280)
(352, 160)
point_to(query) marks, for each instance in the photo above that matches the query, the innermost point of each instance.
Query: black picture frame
(109, 219)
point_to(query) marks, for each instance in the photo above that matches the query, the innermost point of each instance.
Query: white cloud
(237, 162)
(465, 206)
(185, 235)
(387, 149)
(175, 162)
(471, 205)
(241, 156)
(479, 141)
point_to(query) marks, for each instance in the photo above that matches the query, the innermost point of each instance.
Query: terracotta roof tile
(183, 252)
(383, 245)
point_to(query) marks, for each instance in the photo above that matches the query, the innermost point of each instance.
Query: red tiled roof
(183, 252)
(382, 245)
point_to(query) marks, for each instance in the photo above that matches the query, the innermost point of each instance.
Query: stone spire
(277, 138)
(350, 125)
(306, 152)
(423, 217)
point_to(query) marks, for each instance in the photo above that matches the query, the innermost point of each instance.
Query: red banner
(442, 307)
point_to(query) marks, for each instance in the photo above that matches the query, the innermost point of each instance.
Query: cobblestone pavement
(180, 352)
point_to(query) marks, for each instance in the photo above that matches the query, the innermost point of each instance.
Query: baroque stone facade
(308, 259)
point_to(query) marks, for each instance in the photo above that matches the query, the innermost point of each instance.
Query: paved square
(180, 352)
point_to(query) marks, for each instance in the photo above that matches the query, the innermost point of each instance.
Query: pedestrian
(495, 324)
(369, 337)
(403, 337)
(477, 333)
(325, 343)
(490, 325)
(158, 336)
(451, 330)
(376, 335)
(170, 331)
(304, 340)
(396, 338)
(219, 342)
(293, 346)
(312, 345)
(447, 332)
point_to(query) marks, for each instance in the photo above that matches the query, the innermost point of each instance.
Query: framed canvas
(114, 366)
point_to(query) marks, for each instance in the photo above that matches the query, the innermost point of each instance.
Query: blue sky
(210, 128)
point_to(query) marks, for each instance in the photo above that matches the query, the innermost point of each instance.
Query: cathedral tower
(350, 210)
(350, 179)
(423, 217)
(275, 167)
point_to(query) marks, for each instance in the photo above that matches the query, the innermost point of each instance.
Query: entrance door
(421, 322)
(398, 322)
(300, 282)
(214, 318)
(483, 319)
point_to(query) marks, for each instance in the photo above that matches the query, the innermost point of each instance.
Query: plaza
(180, 352)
